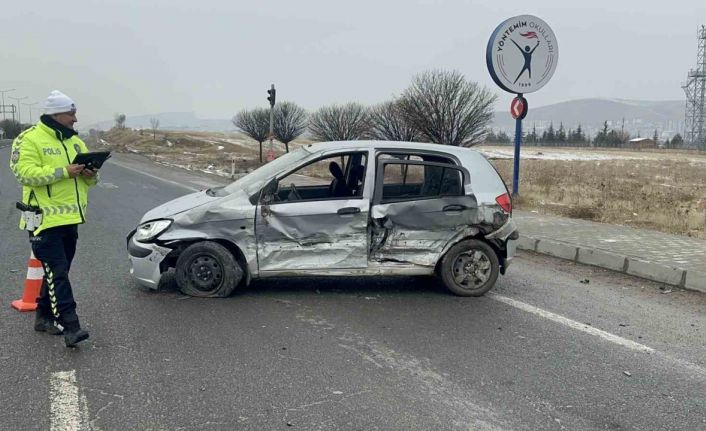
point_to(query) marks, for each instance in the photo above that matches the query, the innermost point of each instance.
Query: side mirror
(267, 194)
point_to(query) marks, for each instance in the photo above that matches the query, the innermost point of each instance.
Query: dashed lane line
(66, 408)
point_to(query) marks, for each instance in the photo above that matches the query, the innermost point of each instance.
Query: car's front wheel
(207, 269)
(470, 268)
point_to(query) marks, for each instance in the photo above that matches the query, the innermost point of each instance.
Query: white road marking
(66, 410)
(105, 185)
(155, 177)
(573, 324)
(697, 369)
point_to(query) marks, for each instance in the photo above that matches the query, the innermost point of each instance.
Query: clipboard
(92, 160)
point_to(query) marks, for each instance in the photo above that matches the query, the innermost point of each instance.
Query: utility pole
(2, 92)
(19, 110)
(29, 107)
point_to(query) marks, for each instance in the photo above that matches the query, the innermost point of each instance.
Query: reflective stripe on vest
(60, 209)
(40, 181)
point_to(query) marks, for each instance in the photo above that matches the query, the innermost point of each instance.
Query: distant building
(641, 143)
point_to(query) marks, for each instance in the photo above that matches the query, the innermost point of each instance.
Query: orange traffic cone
(33, 285)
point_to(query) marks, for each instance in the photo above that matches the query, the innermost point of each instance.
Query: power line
(19, 111)
(2, 92)
(29, 107)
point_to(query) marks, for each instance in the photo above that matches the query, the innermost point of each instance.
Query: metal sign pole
(516, 168)
(521, 56)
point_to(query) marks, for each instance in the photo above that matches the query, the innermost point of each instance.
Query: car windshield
(255, 180)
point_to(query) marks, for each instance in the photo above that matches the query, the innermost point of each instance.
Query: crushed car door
(418, 207)
(310, 221)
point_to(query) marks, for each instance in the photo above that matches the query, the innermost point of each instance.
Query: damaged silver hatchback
(353, 208)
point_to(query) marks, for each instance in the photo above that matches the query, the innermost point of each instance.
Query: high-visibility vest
(39, 158)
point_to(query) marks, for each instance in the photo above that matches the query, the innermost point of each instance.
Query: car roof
(388, 145)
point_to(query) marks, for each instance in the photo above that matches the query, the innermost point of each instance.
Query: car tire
(207, 270)
(470, 268)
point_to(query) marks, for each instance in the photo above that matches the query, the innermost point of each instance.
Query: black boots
(44, 323)
(73, 334)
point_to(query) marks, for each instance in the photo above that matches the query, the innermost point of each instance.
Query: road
(554, 346)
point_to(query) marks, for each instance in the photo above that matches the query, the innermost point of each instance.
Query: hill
(639, 116)
(636, 116)
(171, 121)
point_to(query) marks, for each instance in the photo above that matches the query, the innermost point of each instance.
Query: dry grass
(194, 150)
(668, 195)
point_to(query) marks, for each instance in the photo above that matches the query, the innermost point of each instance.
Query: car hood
(179, 205)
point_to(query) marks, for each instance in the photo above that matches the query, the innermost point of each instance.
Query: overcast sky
(215, 57)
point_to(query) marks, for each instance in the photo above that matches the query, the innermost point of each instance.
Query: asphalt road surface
(554, 346)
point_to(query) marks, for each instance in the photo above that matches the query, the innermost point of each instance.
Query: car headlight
(150, 230)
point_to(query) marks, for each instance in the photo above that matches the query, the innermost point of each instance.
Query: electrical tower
(695, 89)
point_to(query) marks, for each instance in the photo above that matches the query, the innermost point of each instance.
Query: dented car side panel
(229, 219)
(313, 235)
(418, 231)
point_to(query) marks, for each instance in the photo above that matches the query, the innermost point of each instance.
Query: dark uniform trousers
(55, 248)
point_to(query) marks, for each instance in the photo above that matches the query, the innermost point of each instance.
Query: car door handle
(348, 210)
(454, 208)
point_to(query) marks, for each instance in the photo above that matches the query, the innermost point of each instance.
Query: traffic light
(271, 96)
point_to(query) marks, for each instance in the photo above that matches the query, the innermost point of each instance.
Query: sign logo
(518, 108)
(522, 54)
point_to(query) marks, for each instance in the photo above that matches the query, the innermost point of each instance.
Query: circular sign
(518, 108)
(522, 54)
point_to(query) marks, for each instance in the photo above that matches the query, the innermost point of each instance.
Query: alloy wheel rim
(471, 269)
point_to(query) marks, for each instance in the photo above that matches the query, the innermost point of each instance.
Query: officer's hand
(89, 173)
(74, 170)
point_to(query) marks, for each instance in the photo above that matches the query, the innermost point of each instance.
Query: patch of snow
(220, 147)
(497, 153)
(176, 165)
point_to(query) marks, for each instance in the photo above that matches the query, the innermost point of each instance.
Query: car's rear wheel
(207, 269)
(470, 268)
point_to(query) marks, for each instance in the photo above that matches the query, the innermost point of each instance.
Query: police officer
(42, 163)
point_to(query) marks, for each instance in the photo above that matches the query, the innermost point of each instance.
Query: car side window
(334, 177)
(419, 180)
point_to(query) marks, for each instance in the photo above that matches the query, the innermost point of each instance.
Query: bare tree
(154, 122)
(387, 123)
(120, 121)
(339, 123)
(289, 122)
(447, 108)
(255, 124)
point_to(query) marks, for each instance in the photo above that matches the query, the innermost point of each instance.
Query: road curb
(690, 280)
(695, 281)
